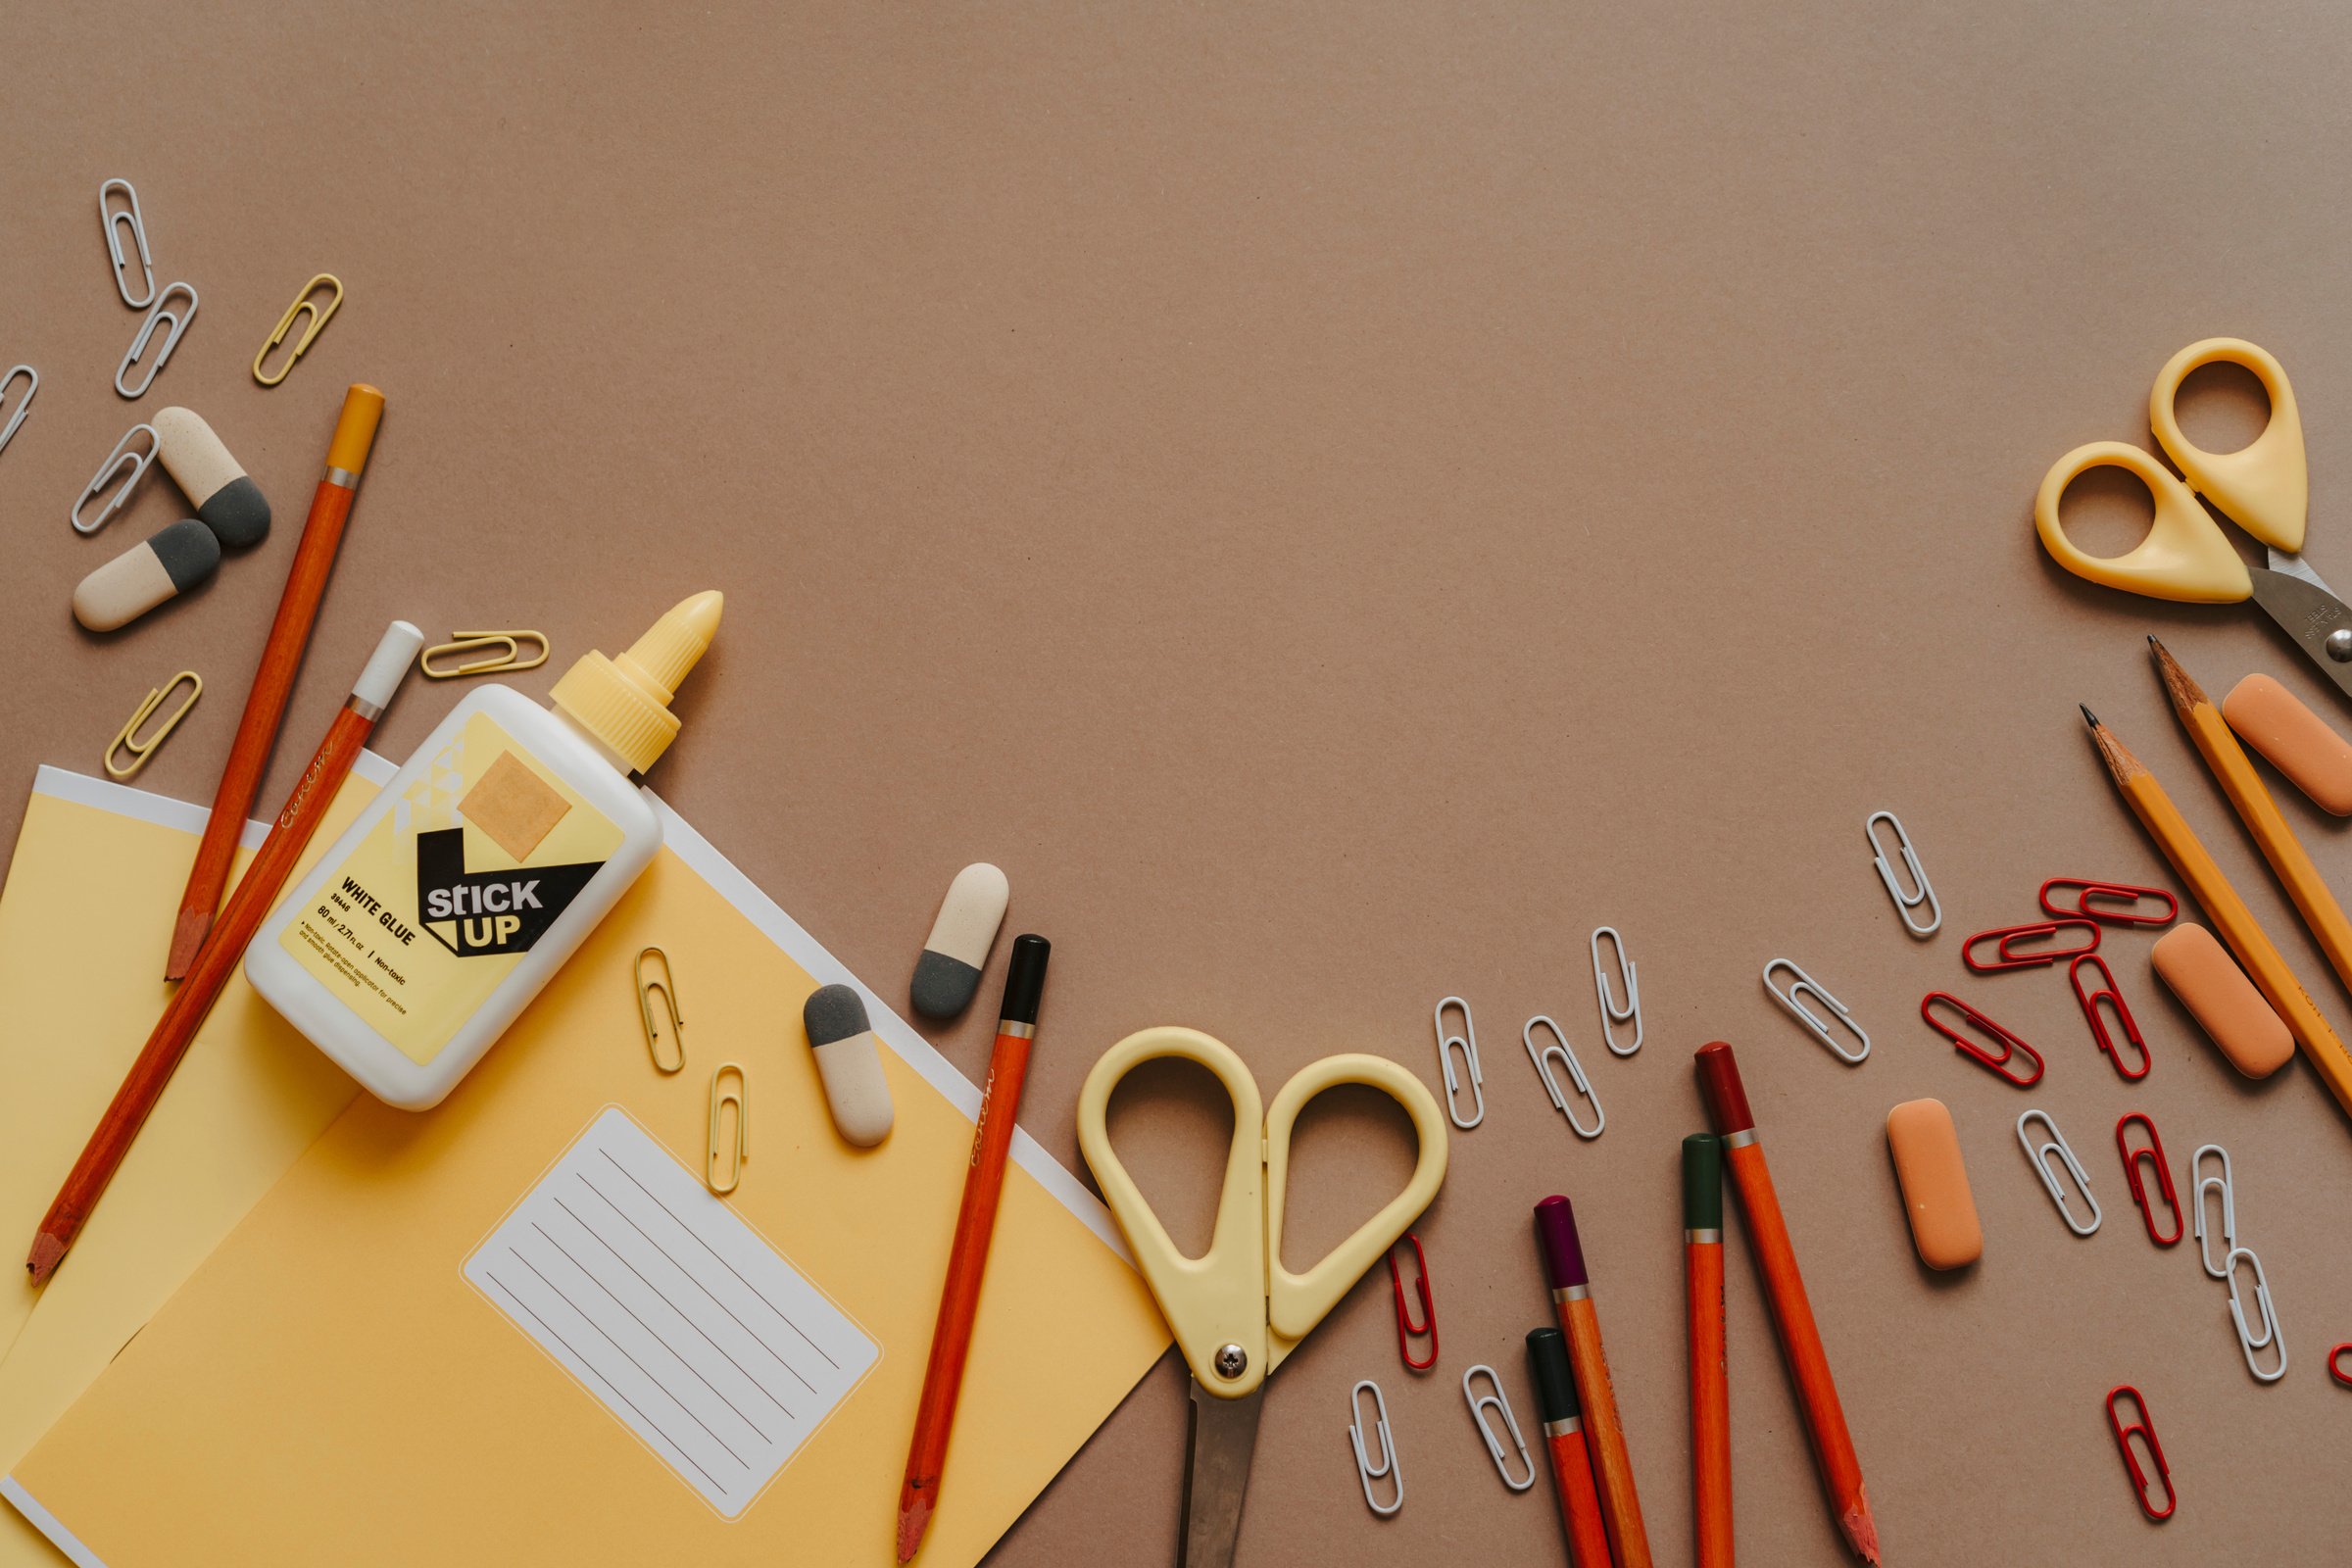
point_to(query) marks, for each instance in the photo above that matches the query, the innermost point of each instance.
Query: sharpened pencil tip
(914, 1518)
(47, 1250)
(2088, 716)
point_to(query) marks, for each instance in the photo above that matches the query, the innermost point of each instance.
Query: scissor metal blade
(2307, 612)
(1216, 1476)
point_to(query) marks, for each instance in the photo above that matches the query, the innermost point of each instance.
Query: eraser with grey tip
(948, 972)
(180, 557)
(225, 497)
(849, 1060)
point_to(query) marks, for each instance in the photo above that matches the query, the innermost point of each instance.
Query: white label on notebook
(673, 1311)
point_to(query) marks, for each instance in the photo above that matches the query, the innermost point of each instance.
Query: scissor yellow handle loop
(1297, 1302)
(2184, 556)
(2265, 487)
(1219, 1299)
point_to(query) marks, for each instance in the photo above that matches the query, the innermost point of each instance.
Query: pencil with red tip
(223, 947)
(975, 1225)
(1571, 1458)
(1710, 1387)
(1580, 1323)
(1785, 1290)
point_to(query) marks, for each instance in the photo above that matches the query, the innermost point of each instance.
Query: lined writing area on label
(673, 1313)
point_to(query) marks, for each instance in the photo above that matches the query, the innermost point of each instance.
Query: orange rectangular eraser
(1934, 1182)
(2223, 1001)
(2296, 740)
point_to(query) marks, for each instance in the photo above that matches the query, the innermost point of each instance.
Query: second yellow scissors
(1235, 1310)
(2264, 488)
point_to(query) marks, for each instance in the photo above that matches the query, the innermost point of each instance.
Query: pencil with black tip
(1710, 1387)
(1579, 1322)
(1785, 1290)
(1564, 1439)
(2233, 921)
(975, 1227)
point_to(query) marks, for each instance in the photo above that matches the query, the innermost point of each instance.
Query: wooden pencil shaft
(2290, 862)
(256, 726)
(1793, 1325)
(2238, 929)
(1710, 1403)
(967, 1259)
(1580, 1504)
(143, 1085)
(1605, 1433)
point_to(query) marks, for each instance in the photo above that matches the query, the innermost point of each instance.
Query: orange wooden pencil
(1570, 1457)
(274, 680)
(2232, 921)
(2289, 862)
(975, 1225)
(1580, 1321)
(1710, 1387)
(1784, 1289)
(218, 959)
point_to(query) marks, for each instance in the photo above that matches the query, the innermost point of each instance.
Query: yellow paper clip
(285, 324)
(667, 986)
(741, 1100)
(126, 739)
(473, 642)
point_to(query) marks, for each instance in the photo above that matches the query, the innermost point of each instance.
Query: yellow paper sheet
(330, 1387)
(84, 922)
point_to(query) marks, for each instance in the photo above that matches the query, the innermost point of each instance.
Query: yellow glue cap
(624, 701)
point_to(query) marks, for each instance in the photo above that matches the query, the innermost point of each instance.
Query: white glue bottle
(496, 849)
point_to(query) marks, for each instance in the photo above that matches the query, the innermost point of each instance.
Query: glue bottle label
(444, 896)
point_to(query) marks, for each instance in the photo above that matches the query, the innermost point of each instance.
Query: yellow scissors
(1235, 1310)
(2264, 488)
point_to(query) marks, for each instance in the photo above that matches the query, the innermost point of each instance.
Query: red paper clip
(2097, 1020)
(2144, 1428)
(1406, 1328)
(2335, 1368)
(2153, 1154)
(2011, 1045)
(2005, 955)
(2082, 909)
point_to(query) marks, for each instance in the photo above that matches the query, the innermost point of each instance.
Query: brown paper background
(1337, 499)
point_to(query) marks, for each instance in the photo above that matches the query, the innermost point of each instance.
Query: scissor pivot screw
(1232, 1360)
(2339, 645)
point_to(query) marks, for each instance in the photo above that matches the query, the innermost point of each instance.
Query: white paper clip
(2249, 1343)
(2225, 1186)
(1904, 903)
(1500, 1403)
(1815, 1025)
(32, 384)
(1610, 1012)
(140, 462)
(116, 219)
(2040, 1156)
(1467, 1044)
(1366, 1472)
(1576, 1075)
(158, 313)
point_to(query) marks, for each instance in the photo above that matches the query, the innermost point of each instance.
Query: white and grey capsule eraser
(849, 1060)
(948, 971)
(225, 497)
(180, 557)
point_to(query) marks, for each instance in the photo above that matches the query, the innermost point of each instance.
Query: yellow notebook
(518, 1328)
(84, 923)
